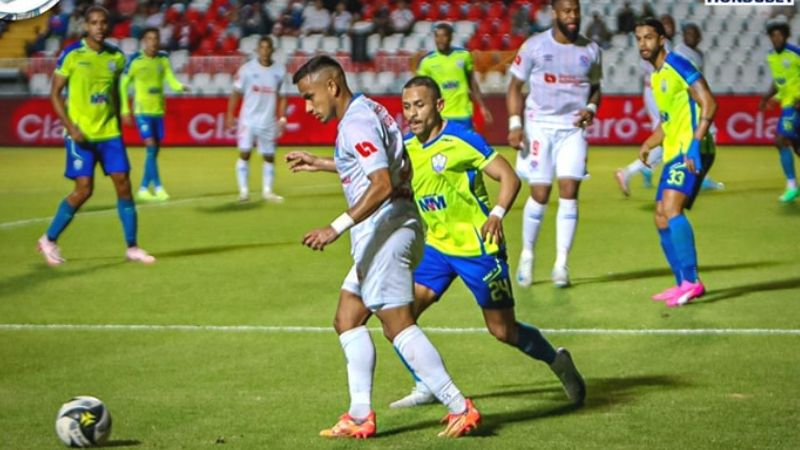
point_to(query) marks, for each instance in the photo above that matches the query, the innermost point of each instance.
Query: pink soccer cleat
(622, 181)
(137, 254)
(688, 292)
(50, 251)
(666, 294)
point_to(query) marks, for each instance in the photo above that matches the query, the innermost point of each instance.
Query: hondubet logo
(749, 2)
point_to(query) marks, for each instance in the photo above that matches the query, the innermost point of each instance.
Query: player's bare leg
(127, 215)
(532, 217)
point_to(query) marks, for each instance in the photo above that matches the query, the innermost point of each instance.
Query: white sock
(242, 174)
(566, 222)
(791, 184)
(656, 156)
(532, 216)
(423, 358)
(633, 168)
(268, 175)
(359, 351)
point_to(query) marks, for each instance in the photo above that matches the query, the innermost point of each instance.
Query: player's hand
(186, 88)
(281, 126)
(492, 230)
(127, 120)
(762, 104)
(515, 138)
(319, 238)
(692, 158)
(230, 122)
(302, 162)
(585, 118)
(75, 133)
(644, 154)
(488, 118)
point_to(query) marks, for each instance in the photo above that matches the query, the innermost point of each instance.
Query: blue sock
(683, 238)
(787, 162)
(63, 217)
(127, 214)
(669, 252)
(152, 165)
(413, 374)
(531, 342)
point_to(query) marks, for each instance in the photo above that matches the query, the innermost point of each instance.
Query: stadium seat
(329, 45)
(423, 27)
(288, 44)
(391, 43)
(387, 82)
(39, 84)
(466, 27)
(368, 81)
(178, 59)
(373, 44)
(222, 83)
(201, 84)
(310, 44)
(411, 43)
(248, 44)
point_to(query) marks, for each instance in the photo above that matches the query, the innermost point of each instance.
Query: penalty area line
(433, 330)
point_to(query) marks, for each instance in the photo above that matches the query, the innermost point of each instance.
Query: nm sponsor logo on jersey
(432, 203)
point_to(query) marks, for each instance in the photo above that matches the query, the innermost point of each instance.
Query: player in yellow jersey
(452, 68)
(148, 69)
(784, 63)
(687, 109)
(464, 234)
(90, 71)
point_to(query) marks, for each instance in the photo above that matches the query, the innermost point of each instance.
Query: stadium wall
(199, 121)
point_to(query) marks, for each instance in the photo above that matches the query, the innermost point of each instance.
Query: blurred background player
(687, 108)
(688, 48)
(452, 69)
(386, 243)
(148, 69)
(90, 70)
(448, 161)
(260, 82)
(784, 63)
(563, 69)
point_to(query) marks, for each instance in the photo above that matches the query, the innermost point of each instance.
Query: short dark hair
(444, 26)
(315, 65)
(93, 9)
(425, 81)
(783, 27)
(691, 26)
(266, 38)
(150, 30)
(654, 23)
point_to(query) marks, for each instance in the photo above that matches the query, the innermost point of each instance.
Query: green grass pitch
(229, 264)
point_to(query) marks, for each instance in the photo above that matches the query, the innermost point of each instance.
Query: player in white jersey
(563, 69)
(260, 82)
(688, 48)
(386, 243)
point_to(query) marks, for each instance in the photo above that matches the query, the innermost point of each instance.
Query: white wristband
(498, 211)
(342, 223)
(282, 120)
(592, 108)
(514, 122)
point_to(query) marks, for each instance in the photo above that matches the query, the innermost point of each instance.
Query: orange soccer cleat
(347, 427)
(461, 424)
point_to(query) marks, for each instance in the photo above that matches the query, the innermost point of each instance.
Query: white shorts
(552, 150)
(384, 263)
(264, 138)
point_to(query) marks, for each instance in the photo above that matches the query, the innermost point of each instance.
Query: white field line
(23, 222)
(434, 330)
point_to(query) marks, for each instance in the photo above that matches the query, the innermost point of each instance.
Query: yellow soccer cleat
(461, 424)
(347, 427)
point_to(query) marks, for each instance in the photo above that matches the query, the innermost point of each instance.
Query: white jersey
(560, 77)
(694, 56)
(260, 87)
(369, 139)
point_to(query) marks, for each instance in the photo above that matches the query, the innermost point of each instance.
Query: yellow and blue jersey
(91, 88)
(449, 189)
(785, 68)
(680, 114)
(452, 73)
(148, 75)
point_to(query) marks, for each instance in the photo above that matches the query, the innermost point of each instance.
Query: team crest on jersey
(584, 61)
(439, 162)
(112, 66)
(460, 64)
(663, 85)
(787, 63)
(77, 164)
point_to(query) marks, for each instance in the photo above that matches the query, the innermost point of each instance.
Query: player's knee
(82, 193)
(782, 141)
(502, 332)
(244, 156)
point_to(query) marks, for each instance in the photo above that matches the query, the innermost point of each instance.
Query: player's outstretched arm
(500, 170)
(60, 108)
(477, 97)
(305, 162)
(514, 102)
(233, 103)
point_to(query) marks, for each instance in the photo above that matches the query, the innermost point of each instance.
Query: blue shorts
(486, 276)
(677, 177)
(150, 127)
(81, 158)
(789, 122)
(466, 123)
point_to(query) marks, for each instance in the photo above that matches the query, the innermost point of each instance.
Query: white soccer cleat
(525, 271)
(136, 254)
(571, 379)
(415, 398)
(50, 251)
(560, 276)
(272, 197)
(244, 195)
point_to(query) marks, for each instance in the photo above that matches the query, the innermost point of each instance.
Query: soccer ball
(83, 422)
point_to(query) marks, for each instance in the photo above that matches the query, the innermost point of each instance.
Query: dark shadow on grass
(790, 209)
(43, 273)
(602, 393)
(196, 251)
(229, 207)
(122, 443)
(716, 295)
(665, 271)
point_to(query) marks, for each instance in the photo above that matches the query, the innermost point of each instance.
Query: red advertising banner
(622, 120)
